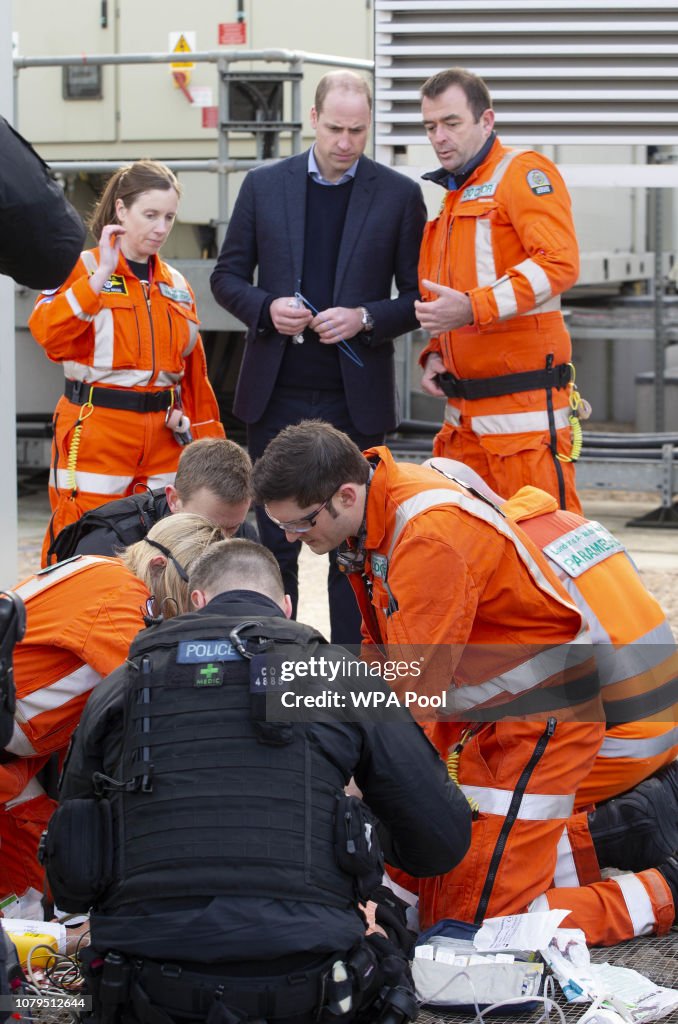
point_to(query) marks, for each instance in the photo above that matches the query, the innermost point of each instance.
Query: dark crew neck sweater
(313, 365)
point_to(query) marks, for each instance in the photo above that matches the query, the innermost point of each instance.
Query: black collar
(453, 182)
(243, 602)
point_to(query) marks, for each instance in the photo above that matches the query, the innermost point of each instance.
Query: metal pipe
(108, 166)
(200, 57)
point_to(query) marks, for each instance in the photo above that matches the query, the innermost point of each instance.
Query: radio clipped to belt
(177, 421)
(580, 410)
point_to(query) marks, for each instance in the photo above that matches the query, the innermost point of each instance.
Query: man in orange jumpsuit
(638, 667)
(493, 265)
(436, 566)
(81, 616)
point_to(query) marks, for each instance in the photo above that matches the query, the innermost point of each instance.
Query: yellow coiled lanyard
(86, 410)
(453, 758)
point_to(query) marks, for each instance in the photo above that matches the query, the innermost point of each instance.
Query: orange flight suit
(81, 617)
(448, 576)
(139, 341)
(506, 238)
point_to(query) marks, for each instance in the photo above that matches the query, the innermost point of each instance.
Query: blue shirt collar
(315, 172)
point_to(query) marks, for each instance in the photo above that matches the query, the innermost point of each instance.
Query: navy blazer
(380, 243)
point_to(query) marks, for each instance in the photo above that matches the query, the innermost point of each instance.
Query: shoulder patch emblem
(116, 285)
(539, 182)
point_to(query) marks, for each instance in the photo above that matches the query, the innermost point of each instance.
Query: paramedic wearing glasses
(337, 228)
(125, 328)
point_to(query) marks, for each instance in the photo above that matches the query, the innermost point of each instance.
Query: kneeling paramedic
(237, 863)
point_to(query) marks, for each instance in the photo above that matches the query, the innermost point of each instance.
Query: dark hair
(219, 465)
(476, 92)
(237, 564)
(307, 463)
(128, 183)
(344, 81)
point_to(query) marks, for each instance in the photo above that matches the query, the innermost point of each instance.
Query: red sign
(231, 32)
(210, 117)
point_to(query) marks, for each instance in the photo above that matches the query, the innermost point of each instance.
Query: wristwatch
(367, 320)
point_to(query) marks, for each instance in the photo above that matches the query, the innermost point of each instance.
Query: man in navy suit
(338, 229)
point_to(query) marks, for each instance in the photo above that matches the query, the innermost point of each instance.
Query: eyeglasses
(301, 525)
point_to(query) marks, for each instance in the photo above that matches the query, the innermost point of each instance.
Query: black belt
(193, 992)
(510, 383)
(78, 392)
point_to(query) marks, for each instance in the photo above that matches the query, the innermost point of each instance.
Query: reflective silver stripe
(76, 307)
(551, 305)
(616, 663)
(452, 415)
(58, 693)
(565, 874)
(533, 806)
(539, 282)
(428, 499)
(193, 329)
(166, 379)
(30, 792)
(104, 340)
(92, 483)
(598, 634)
(524, 677)
(486, 269)
(160, 480)
(519, 422)
(650, 746)
(116, 378)
(37, 584)
(19, 743)
(638, 903)
(505, 297)
(539, 905)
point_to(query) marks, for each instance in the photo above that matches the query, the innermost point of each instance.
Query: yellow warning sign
(182, 42)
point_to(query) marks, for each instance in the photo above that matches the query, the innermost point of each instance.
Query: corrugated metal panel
(560, 71)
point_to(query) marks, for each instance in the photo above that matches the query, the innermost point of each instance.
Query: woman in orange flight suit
(124, 326)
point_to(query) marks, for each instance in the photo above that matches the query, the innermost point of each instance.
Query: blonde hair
(184, 536)
(128, 183)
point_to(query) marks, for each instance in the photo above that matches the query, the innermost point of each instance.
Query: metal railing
(224, 164)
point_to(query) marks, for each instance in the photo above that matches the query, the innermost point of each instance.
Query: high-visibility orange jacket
(637, 677)
(131, 337)
(507, 239)
(635, 649)
(448, 573)
(638, 667)
(81, 617)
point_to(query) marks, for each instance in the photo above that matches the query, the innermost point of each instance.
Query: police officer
(239, 863)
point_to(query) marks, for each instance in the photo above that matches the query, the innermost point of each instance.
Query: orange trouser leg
(525, 460)
(20, 829)
(617, 909)
(116, 453)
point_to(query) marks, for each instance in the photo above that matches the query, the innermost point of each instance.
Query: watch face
(368, 320)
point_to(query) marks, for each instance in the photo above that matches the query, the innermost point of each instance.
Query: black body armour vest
(208, 800)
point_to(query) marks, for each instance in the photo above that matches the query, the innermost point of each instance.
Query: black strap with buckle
(79, 392)
(508, 384)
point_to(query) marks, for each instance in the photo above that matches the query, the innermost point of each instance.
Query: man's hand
(289, 316)
(434, 365)
(451, 310)
(331, 325)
